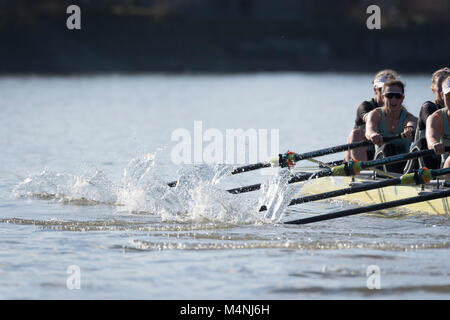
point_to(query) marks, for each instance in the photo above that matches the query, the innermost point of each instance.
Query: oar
(283, 159)
(339, 162)
(322, 152)
(422, 176)
(347, 169)
(381, 206)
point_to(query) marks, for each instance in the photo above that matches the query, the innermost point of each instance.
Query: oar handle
(391, 138)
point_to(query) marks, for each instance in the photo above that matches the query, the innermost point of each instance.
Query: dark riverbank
(235, 42)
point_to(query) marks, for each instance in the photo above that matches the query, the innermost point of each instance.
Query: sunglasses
(395, 95)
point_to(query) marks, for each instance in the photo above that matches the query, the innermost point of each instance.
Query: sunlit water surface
(84, 165)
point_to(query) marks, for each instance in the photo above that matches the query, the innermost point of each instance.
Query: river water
(85, 212)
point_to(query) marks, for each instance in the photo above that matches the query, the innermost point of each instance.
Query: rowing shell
(381, 195)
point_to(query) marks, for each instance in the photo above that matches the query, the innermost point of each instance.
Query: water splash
(95, 189)
(143, 190)
(197, 197)
(276, 195)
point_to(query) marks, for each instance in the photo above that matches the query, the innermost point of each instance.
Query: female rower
(389, 120)
(427, 109)
(358, 132)
(437, 130)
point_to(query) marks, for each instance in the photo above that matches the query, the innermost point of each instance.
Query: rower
(427, 109)
(358, 132)
(437, 130)
(391, 119)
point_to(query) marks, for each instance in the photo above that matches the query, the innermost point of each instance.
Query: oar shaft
(397, 158)
(343, 147)
(326, 151)
(252, 187)
(296, 178)
(342, 192)
(251, 167)
(306, 155)
(440, 172)
(375, 207)
(341, 171)
(327, 172)
(172, 184)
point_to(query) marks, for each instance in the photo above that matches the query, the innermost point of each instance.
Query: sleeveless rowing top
(445, 139)
(401, 145)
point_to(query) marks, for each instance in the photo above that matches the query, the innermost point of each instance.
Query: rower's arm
(365, 117)
(363, 110)
(410, 125)
(372, 121)
(433, 132)
(411, 120)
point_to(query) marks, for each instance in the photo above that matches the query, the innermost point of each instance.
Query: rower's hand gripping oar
(426, 175)
(289, 159)
(350, 168)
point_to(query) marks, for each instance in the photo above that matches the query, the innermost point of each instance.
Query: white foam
(197, 197)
